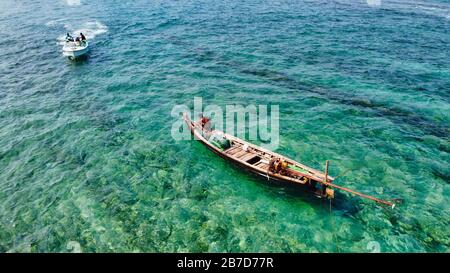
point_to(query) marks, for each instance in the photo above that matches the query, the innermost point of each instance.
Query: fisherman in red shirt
(204, 121)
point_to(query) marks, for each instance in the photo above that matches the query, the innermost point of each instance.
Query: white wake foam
(417, 6)
(90, 29)
(73, 2)
(374, 3)
(53, 23)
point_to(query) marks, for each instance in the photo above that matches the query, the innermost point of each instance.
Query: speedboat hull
(72, 50)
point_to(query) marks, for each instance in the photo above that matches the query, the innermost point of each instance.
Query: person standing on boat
(205, 123)
(82, 37)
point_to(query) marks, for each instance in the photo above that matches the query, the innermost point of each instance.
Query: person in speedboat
(69, 38)
(78, 41)
(83, 38)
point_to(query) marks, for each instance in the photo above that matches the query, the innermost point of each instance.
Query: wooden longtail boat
(268, 164)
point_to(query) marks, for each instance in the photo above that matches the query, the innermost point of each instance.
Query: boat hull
(75, 51)
(264, 174)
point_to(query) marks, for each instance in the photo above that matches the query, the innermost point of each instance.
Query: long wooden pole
(392, 205)
(352, 191)
(358, 193)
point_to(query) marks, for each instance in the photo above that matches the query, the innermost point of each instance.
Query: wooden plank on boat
(233, 150)
(262, 165)
(247, 156)
(257, 164)
(239, 154)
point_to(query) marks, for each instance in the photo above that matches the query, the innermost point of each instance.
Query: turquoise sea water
(87, 162)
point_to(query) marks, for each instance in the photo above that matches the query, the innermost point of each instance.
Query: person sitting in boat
(275, 165)
(272, 164)
(69, 38)
(283, 167)
(83, 38)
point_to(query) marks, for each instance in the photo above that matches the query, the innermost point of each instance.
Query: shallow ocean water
(87, 162)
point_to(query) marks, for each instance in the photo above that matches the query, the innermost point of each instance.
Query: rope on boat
(342, 174)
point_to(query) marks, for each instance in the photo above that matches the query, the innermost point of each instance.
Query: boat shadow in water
(341, 202)
(79, 60)
(344, 205)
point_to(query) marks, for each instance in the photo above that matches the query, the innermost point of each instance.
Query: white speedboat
(75, 49)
